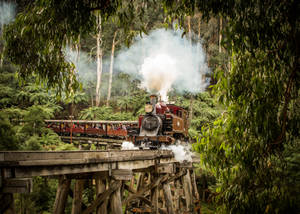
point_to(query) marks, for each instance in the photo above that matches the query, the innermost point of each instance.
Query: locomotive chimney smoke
(164, 60)
(7, 13)
(85, 66)
(156, 74)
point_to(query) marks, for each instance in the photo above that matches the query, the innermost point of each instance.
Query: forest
(236, 73)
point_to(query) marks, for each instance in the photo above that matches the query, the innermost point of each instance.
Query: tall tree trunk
(111, 67)
(199, 28)
(99, 59)
(191, 110)
(77, 48)
(189, 28)
(220, 35)
(1, 47)
(92, 96)
(199, 39)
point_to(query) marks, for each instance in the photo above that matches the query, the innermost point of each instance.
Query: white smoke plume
(85, 65)
(126, 145)
(7, 13)
(162, 60)
(181, 152)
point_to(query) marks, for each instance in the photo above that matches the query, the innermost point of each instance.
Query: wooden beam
(154, 194)
(188, 191)
(165, 168)
(162, 202)
(175, 177)
(141, 210)
(84, 176)
(61, 195)
(140, 181)
(143, 190)
(77, 198)
(116, 201)
(168, 198)
(176, 196)
(188, 165)
(100, 188)
(194, 183)
(121, 174)
(17, 185)
(70, 194)
(129, 188)
(100, 198)
(14, 157)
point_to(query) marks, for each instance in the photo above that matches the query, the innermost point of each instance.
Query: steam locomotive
(162, 124)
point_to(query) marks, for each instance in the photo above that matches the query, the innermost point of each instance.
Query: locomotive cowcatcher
(162, 124)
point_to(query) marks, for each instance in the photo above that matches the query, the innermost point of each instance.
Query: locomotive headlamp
(148, 108)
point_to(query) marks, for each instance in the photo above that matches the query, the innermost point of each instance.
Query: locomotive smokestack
(153, 101)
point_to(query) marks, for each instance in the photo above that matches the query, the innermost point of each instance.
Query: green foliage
(104, 113)
(247, 147)
(8, 86)
(22, 118)
(7, 134)
(40, 200)
(33, 134)
(65, 147)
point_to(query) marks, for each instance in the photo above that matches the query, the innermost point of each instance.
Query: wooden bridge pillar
(196, 194)
(177, 188)
(77, 196)
(116, 201)
(61, 195)
(188, 191)
(100, 188)
(140, 181)
(168, 198)
(154, 194)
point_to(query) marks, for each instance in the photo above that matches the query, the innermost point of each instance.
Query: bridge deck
(20, 164)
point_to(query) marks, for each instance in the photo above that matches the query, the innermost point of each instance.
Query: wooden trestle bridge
(127, 181)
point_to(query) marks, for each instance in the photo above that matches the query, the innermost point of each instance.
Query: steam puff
(85, 67)
(126, 145)
(181, 152)
(157, 78)
(7, 13)
(163, 60)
